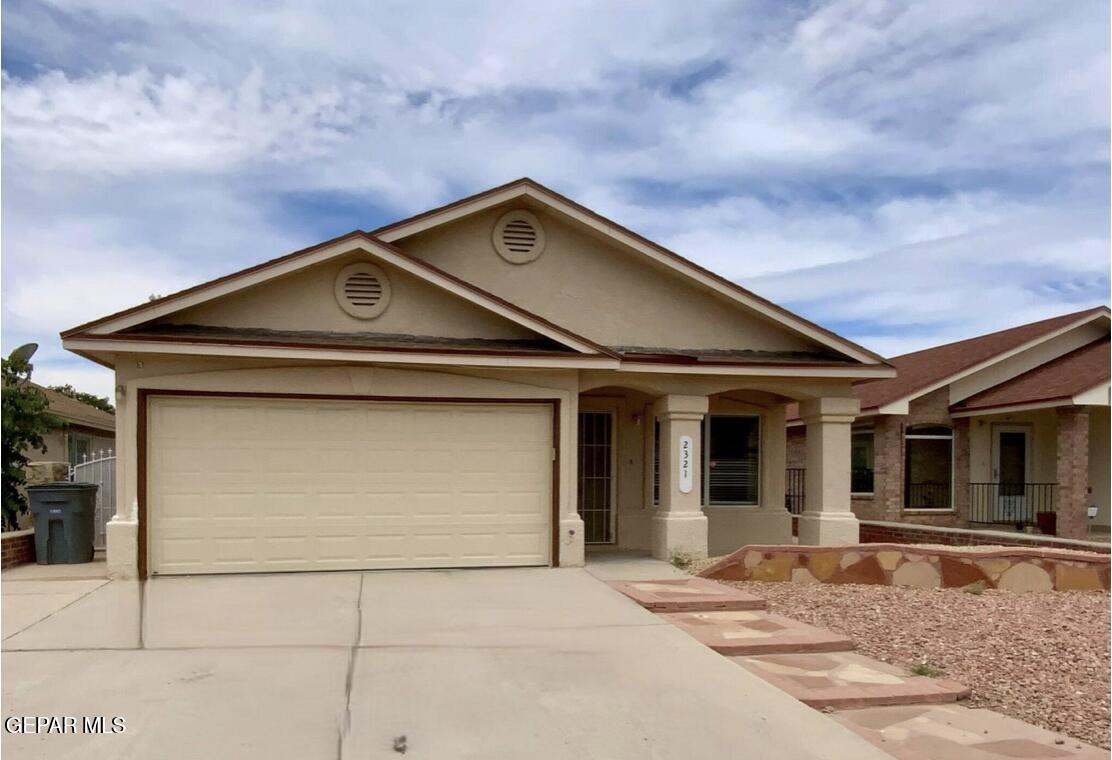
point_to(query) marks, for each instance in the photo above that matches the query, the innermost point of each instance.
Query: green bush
(26, 420)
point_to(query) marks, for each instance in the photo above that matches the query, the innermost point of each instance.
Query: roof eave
(87, 343)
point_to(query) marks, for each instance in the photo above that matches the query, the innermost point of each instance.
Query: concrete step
(956, 732)
(687, 595)
(752, 632)
(849, 680)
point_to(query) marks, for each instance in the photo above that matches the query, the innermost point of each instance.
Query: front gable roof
(127, 325)
(137, 328)
(682, 267)
(924, 371)
(1059, 380)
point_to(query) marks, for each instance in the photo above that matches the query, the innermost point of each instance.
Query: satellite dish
(24, 352)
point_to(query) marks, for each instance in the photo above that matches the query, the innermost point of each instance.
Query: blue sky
(904, 173)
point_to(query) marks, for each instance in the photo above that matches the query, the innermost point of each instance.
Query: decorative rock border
(1012, 569)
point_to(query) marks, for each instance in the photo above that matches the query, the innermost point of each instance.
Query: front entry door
(1010, 464)
(596, 476)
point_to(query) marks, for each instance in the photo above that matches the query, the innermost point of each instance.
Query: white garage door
(259, 485)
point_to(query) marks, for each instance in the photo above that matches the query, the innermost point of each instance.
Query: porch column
(679, 525)
(122, 531)
(1072, 498)
(827, 518)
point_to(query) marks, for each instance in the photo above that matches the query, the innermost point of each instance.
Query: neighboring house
(992, 431)
(87, 431)
(487, 383)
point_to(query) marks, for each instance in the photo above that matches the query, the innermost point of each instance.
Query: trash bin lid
(62, 485)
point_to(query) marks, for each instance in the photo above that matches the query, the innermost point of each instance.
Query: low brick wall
(17, 548)
(908, 533)
(1012, 569)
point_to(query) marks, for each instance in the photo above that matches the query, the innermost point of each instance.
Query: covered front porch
(1045, 468)
(683, 467)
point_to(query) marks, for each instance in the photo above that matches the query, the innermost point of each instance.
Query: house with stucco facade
(505, 380)
(1006, 430)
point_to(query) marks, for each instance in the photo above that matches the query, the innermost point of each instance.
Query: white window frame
(953, 463)
(705, 459)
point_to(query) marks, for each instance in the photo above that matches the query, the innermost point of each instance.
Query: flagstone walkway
(910, 717)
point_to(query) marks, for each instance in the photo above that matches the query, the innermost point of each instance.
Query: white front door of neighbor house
(1011, 465)
(270, 484)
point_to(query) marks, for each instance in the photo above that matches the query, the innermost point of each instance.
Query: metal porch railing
(1010, 503)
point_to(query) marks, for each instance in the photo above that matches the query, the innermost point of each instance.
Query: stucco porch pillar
(121, 534)
(1072, 499)
(827, 518)
(679, 525)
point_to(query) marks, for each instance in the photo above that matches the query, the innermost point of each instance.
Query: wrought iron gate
(102, 471)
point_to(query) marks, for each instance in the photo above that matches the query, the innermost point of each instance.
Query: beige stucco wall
(632, 427)
(57, 450)
(1044, 441)
(729, 526)
(306, 301)
(1099, 460)
(645, 305)
(55, 442)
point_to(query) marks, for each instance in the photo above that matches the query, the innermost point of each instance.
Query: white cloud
(86, 377)
(950, 148)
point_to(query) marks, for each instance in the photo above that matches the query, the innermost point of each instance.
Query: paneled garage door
(260, 485)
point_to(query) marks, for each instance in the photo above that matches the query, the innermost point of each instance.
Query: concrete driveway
(518, 663)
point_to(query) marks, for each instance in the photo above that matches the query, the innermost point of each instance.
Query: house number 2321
(685, 464)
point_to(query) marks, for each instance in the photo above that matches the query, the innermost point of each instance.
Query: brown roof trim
(528, 182)
(957, 409)
(355, 235)
(243, 342)
(688, 361)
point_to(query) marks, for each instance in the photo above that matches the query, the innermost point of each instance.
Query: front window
(80, 448)
(861, 461)
(928, 467)
(731, 451)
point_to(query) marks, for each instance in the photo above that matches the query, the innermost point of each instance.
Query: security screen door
(596, 476)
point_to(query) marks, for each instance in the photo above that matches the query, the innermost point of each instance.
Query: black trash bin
(65, 516)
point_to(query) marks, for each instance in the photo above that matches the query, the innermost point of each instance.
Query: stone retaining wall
(17, 548)
(1018, 569)
(907, 533)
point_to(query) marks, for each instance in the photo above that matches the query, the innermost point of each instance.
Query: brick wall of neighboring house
(797, 446)
(889, 445)
(887, 500)
(17, 548)
(1072, 498)
(904, 533)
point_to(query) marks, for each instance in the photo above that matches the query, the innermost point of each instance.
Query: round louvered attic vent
(362, 290)
(518, 237)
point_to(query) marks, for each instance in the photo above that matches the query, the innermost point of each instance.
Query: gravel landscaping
(1040, 657)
